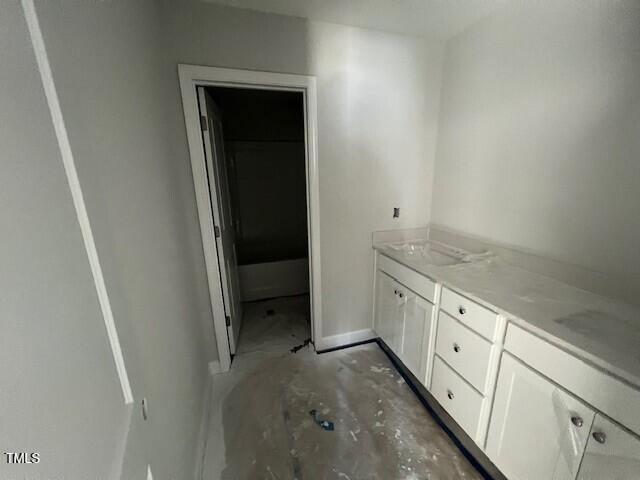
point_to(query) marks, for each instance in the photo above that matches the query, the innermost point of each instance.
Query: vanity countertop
(599, 330)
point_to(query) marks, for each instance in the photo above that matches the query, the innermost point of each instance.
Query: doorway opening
(255, 172)
(255, 153)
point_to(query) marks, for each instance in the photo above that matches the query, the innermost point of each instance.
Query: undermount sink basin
(427, 252)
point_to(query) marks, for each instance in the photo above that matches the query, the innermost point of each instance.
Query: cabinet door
(417, 329)
(389, 321)
(537, 430)
(612, 453)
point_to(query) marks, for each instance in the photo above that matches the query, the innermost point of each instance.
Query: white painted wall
(107, 64)
(540, 132)
(59, 391)
(378, 98)
(269, 193)
(268, 183)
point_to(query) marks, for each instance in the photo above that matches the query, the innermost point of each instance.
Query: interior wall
(265, 152)
(107, 63)
(271, 204)
(540, 132)
(256, 115)
(378, 99)
(57, 366)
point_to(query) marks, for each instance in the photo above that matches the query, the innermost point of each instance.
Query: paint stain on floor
(380, 429)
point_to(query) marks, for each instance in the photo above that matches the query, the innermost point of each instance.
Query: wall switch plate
(396, 212)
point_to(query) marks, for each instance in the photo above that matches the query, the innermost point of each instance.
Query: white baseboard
(214, 367)
(203, 434)
(343, 339)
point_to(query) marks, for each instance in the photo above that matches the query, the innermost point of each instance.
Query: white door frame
(192, 76)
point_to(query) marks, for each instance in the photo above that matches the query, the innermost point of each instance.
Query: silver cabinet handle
(577, 421)
(456, 348)
(599, 437)
(450, 394)
(462, 310)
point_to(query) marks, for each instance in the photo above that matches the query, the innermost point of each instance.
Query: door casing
(192, 76)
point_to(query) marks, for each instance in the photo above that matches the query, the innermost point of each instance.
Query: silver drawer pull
(450, 394)
(577, 421)
(462, 310)
(599, 437)
(456, 348)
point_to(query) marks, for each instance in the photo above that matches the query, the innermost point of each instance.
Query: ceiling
(439, 19)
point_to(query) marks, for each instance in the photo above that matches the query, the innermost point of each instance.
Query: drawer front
(464, 350)
(457, 397)
(410, 278)
(474, 316)
(615, 398)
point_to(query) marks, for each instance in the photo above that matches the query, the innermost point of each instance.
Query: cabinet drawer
(474, 316)
(410, 278)
(457, 397)
(464, 350)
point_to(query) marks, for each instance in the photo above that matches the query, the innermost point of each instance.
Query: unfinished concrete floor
(261, 428)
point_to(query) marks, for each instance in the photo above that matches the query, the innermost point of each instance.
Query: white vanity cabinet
(538, 431)
(611, 453)
(538, 410)
(403, 318)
